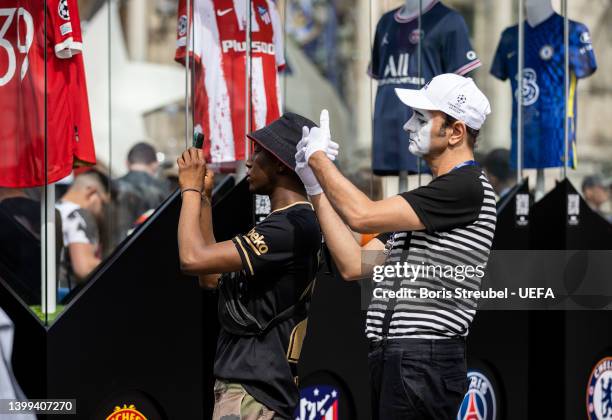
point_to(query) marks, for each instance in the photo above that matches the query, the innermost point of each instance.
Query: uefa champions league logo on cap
(599, 391)
(461, 99)
(479, 401)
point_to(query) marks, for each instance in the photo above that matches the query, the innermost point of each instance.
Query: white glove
(300, 156)
(303, 170)
(311, 184)
(319, 138)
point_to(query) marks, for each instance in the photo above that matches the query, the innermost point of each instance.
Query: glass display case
(101, 96)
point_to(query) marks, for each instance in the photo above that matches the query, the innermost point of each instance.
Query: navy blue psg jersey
(542, 89)
(445, 48)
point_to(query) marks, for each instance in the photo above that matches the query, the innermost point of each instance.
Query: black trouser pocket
(456, 383)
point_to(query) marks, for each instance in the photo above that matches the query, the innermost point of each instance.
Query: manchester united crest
(126, 412)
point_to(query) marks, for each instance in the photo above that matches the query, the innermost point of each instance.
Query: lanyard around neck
(466, 163)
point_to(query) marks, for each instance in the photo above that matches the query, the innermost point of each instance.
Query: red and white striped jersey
(218, 50)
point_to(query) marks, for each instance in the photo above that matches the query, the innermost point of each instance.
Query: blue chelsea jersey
(445, 48)
(542, 89)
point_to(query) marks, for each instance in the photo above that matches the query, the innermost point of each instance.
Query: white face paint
(419, 129)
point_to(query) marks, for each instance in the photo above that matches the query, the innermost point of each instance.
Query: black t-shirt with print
(280, 259)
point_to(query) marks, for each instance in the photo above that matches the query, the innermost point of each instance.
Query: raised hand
(192, 169)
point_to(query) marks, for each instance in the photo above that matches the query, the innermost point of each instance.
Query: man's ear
(459, 133)
(89, 192)
(281, 168)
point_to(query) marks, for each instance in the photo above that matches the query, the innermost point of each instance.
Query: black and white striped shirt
(459, 213)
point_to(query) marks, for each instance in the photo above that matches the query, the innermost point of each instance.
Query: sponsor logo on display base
(522, 210)
(573, 210)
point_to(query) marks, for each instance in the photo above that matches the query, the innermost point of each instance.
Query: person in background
(595, 193)
(501, 174)
(20, 205)
(139, 191)
(9, 387)
(23, 208)
(81, 209)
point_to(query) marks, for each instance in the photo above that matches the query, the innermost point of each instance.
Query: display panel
(115, 80)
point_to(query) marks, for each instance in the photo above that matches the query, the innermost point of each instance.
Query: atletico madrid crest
(265, 16)
(479, 401)
(318, 403)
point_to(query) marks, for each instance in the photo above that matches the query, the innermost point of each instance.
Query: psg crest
(599, 391)
(318, 403)
(479, 401)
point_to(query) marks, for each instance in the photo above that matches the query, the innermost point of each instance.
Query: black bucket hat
(281, 136)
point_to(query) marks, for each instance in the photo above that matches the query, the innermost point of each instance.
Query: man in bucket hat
(417, 344)
(263, 295)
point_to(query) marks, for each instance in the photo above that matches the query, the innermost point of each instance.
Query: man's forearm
(190, 238)
(348, 201)
(340, 241)
(206, 227)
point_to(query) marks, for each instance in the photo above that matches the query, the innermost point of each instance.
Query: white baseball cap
(452, 94)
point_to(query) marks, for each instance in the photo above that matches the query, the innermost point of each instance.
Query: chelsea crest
(599, 391)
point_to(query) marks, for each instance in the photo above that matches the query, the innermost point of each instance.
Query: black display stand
(335, 350)
(17, 267)
(513, 219)
(138, 333)
(142, 333)
(554, 227)
(498, 340)
(565, 345)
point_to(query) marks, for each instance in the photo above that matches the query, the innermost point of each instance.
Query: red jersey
(218, 50)
(84, 152)
(36, 94)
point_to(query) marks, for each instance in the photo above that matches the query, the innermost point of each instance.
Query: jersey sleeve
(62, 24)
(499, 68)
(269, 245)
(582, 56)
(277, 36)
(458, 56)
(181, 32)
(374, 66)
(77, 35)
(451, 201)
(79, 228)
